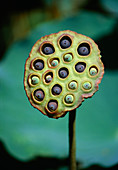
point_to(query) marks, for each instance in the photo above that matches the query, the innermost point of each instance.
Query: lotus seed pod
(62, 69)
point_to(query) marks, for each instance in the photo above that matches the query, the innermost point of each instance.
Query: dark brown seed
(39, 95)
(56, 90)
(48, 49)
(39, 64)
(65, 42)
(83, 49)
(80, 67)
(63, 72)
(52, 106)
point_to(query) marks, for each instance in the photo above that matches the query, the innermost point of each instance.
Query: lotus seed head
(93, 71)
(87, 85)
(73, 85)
(68, 57)
(69, 98)
(61, 70)
(34, 80)
(54, 63)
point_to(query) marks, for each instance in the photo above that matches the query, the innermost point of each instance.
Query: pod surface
(83, 51)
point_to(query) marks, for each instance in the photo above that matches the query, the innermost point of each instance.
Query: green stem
(72, 140)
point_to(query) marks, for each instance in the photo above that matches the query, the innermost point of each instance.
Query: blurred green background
(29, 139)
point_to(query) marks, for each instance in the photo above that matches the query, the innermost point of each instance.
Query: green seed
(93, 71)
(72, 85)
(34, 80)
(54, 63)
(48, 78)
(69, 98)
(87, 85)
(68, 57)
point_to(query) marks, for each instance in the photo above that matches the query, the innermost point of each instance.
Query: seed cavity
(68, 57)
(48, 49)
(54, 62)
(72, 85)
(38, 64)
(57, 89)
(80, 67)
(83, 49)
(39, 94)
(69, 98)
(87, 85)
(93, 70)
(48, 77)
(34, 80)
(52, 105)
(65, 42)
(63, 72)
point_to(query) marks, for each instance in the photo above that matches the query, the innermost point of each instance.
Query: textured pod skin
(93, 59)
